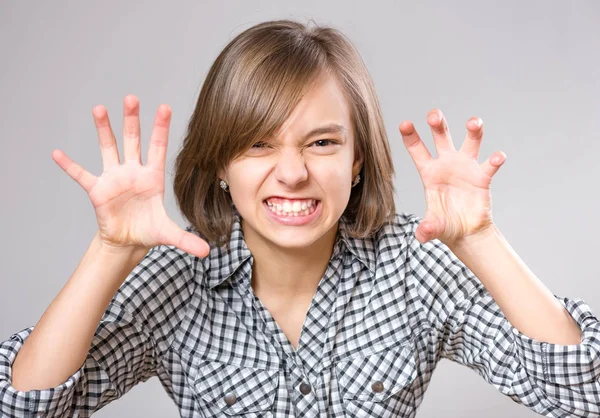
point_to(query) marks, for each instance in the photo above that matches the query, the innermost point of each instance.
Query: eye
(259, 145)
(323, 142)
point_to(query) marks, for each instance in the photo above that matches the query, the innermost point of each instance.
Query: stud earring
(356, 180)
(224, 185)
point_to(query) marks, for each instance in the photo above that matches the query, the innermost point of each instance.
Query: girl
(296, 290)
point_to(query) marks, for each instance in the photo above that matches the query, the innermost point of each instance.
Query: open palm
(128, 198)
(457, 187)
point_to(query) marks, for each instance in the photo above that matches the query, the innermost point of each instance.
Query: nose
(291, 168)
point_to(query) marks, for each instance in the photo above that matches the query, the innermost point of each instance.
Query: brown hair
(250, 90)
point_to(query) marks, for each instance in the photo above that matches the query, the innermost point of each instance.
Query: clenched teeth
(292, 207)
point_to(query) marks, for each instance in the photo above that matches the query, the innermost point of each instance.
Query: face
(291, 189)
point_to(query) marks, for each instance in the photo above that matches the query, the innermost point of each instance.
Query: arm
(60, 341)
(123, 350)
(549, 378)
(527, 304)
(128, 200)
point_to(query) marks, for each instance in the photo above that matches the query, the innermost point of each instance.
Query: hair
(249, 91)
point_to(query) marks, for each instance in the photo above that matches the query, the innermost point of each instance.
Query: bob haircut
(249, 91)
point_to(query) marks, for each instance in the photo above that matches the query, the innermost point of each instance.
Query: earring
(224, 185)
(356, 180)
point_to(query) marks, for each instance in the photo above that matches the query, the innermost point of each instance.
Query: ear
(357, 166)
(221, 175)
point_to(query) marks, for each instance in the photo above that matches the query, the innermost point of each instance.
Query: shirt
(387, 309)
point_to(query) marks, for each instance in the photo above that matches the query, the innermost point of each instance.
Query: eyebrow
(332, 128)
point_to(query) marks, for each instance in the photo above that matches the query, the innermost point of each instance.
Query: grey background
(528, 69)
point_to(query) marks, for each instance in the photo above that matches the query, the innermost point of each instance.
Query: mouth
(292, 212)
(295, 208)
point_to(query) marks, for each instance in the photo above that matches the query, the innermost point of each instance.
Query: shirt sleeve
(550, 379)
(123, 351)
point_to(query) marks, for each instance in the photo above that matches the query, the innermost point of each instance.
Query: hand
(457, 187)
(129, 198)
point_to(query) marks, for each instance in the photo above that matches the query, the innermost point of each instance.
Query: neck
(289, 272)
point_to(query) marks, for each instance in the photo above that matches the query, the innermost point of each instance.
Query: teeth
(289, 208)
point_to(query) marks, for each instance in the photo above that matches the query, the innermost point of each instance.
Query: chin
(294, 240)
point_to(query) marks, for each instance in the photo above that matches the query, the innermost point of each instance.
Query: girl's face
(292, 189)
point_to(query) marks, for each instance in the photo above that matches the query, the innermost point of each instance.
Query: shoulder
(394, 238)
(163, 280)
(440, 278)
(432, 266)
(400, 228)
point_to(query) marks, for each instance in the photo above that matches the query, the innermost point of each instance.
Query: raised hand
(129, 198)
(457, 187)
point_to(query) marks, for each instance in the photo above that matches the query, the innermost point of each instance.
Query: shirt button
(377, 386)
(305, 388)
(230, 398)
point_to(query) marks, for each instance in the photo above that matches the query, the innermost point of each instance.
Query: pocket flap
(236, 389)
(377, 376)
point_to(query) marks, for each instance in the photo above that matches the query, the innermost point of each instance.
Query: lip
(293, 220)
(290, 198)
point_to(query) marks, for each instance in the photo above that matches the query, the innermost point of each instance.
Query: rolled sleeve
(123, 351)
(565, 365)
(550, 379)
(18, 404)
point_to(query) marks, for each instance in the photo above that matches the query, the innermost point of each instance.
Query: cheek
(247, 175)
(246, 178)
(334, 180)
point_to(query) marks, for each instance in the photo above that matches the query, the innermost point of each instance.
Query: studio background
(529, 69)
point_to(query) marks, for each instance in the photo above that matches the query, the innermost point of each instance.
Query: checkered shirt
(385, 312)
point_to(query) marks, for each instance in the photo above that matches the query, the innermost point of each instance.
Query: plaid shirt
(386, 311)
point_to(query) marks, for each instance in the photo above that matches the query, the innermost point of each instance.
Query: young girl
(296, 290)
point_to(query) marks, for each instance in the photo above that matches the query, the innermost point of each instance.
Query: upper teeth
(291, 205)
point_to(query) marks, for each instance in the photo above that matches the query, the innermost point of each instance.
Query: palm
(128, 197)
(457, 187)
(128, 201)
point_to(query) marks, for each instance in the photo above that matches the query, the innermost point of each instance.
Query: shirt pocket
(235, 390)
(379, 384)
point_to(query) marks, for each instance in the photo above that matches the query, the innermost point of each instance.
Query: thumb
(427, 230)
(185, 241)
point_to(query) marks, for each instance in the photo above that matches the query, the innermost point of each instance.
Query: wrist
(473, 241)
(120, 251)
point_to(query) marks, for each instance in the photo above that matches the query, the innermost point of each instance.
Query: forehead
(324, 105)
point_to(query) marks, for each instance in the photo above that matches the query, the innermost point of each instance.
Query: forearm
(60, 341)
(527, 304)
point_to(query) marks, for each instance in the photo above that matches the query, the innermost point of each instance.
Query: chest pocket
(379, 384)
(235, 391)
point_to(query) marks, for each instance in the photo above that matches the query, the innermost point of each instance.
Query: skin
(459, 214)
(289, 261)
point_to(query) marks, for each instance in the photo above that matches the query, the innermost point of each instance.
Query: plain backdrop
(529, 69)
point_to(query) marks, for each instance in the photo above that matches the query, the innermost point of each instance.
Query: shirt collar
(224, 261)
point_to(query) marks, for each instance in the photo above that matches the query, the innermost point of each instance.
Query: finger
(472, 142)
(416, 148)
(157, 151)
(74, 170)
(427, 231)
(106, 137)
(131, 129)
(185, 241)
(492, 164)
(439, 129)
